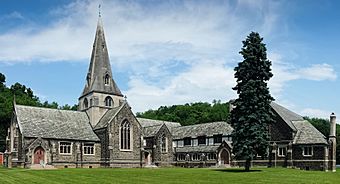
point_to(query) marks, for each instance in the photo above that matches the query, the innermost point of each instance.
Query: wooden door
(225, 157)
(39, 155)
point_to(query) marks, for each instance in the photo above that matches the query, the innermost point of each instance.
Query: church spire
(99, 77)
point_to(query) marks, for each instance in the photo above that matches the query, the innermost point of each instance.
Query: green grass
(167, 175)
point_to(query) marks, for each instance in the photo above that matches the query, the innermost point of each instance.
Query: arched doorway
(39, 155)
(224, 157)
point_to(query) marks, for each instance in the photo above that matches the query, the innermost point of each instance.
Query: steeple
(99, 77)
(100, 92)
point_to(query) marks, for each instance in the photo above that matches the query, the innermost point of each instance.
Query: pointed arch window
(163, 144)
(107, 79)
(86, 103)
(108, 101)
(125, 135)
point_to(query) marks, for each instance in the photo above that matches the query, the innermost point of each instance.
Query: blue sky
(174, 52)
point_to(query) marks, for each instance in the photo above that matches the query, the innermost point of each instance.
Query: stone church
(104, 132)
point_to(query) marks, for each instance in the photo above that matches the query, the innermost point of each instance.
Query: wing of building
(104, 132)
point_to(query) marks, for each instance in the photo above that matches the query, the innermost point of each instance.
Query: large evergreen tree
(252, 113)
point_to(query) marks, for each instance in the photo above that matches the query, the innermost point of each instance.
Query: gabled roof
(205, 129)
(286, 115)
(108, 116)
(307, 134)
(100, 67)
(54, 123)
(150, 122)
(151, 131)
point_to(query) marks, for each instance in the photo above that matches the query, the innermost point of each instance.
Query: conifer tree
(252, 114)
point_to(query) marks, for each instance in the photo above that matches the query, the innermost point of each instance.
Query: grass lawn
(167, 175)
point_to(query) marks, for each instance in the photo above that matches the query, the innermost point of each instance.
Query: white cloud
(285, 72)
(134, 32)
(318, 72)
(204, 82)
(171, 52)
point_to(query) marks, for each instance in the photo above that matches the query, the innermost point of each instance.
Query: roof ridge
(47, 108)
(199, 124)
(119, 108)
(154, 125)
(157, 120)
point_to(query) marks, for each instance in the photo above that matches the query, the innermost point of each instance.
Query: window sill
(126, 150)
(307, 155)
(66, 154)
(89, 154)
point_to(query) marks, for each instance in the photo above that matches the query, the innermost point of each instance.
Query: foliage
(23, 96)
(167, 175)
(190, 114)
(252, 113)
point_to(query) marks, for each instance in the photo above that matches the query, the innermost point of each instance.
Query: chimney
(332, 143)
(332, 125)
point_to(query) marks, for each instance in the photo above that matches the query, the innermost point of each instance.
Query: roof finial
(99, 10)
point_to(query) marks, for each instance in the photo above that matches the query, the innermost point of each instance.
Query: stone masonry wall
(163, 158)
(129, 158)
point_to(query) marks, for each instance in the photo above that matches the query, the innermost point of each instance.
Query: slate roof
(54, 123)
(201, 148)
(207, 129)
(100, 66)
(287, 115)
(151, 131)
(108, 116)
(307, 134)
(150, 122)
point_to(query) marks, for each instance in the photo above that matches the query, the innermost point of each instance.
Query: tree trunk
(247, 165)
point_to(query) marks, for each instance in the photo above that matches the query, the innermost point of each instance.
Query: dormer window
(86, 103)
(107, 79)
(88, 78)
(108, 101)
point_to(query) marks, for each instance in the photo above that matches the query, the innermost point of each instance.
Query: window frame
(304, 151)
(196, 157)
(186, 140)
(89, 145)
(211, 156)
(284, 148)
(108, 101)
(86, 103)
(164, 144)
(125, 131)
(181, 157)
(217, 138)
(107, 80)
(201, 139)
(70, 145)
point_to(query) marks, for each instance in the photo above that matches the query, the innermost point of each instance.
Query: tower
(100, 92)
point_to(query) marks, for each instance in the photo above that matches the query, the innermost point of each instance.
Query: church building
(104, 132)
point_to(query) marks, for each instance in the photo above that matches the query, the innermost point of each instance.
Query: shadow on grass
(237, 170)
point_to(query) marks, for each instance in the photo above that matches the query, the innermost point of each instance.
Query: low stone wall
(310, 165)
